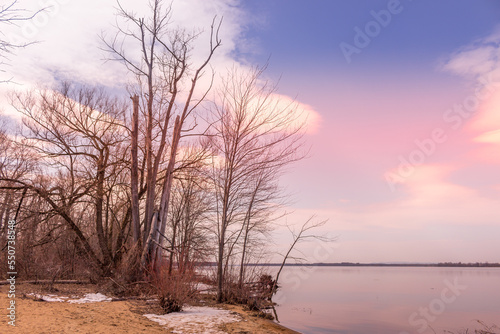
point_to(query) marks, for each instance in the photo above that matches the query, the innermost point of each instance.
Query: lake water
(388, 300)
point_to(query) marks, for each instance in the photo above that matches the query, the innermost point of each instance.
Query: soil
(122, 316)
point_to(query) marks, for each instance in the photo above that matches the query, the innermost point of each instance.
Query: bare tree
(303, 234)
(167, 82)
(15, 163)
(263, 201)
(255, 137)
(190, 208)
(78, 135)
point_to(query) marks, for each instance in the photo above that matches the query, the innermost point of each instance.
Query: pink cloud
(305, 113)
(487, 117)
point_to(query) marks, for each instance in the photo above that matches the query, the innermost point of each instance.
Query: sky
(403, 100)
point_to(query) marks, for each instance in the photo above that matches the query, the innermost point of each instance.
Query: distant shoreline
(357, 264)
(352, 264)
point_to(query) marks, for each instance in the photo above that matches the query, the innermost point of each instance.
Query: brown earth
(41, 317)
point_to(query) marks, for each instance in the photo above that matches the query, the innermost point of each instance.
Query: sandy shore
(40, 317)
(252, 324)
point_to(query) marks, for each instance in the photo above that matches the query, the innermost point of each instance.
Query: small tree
(190, 208)
(303, 234)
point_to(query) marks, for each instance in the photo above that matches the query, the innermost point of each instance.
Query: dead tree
(303, 234)
(167, 81)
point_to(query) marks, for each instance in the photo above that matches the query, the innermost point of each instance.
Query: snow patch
(91, 298)
(49, 298)
(195, 319)
(88, 298)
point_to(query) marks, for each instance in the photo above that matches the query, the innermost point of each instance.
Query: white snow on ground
(88, 298)
(195, 319)
(91, 298)
(49, 298)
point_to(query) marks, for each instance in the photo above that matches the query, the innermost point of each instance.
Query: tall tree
(256, 135)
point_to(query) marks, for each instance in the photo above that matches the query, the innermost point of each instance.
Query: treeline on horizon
(357, 264)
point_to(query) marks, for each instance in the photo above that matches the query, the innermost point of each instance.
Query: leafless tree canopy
(135, 189)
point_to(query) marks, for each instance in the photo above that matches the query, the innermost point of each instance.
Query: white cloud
(478, 59)
(430, 198)
(69, 45)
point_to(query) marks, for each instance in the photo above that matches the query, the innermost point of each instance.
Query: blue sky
(309, 33)
(373, 109)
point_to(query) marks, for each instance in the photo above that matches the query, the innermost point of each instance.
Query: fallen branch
(48, 281)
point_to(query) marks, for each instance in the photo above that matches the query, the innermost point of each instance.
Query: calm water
(368, 300)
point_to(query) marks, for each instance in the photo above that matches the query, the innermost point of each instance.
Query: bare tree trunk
(75, 228)
(222, 242)
(246, 226)
(174, 240)
(220, 269)
(167, 184)
(146, 253)
(122, 236)
(5, 211)
(184, 247)
(134, 175)
(101, 236)
(243, 252)
(150, 176)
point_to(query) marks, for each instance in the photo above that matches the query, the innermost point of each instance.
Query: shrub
(173, 290)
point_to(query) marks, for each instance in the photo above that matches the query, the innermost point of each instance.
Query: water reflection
(398, 300)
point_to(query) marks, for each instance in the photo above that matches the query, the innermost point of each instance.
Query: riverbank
(33, 315)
